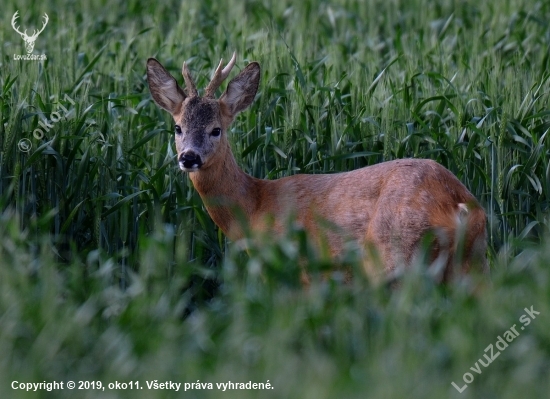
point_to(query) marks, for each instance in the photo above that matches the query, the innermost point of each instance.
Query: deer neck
(229, 194)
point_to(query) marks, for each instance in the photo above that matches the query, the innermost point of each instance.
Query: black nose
(190, 160)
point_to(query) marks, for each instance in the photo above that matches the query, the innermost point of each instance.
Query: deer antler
(219, 76)
(24, 34)
(46, 19)
(189, 83)
(13, 19)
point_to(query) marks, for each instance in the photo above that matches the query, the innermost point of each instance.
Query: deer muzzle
(190, 161)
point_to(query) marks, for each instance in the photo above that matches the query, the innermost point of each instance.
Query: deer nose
(189, 159)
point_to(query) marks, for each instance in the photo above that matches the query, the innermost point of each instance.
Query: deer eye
(216, 132)
(178, 129)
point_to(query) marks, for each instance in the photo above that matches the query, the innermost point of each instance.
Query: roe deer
(390, 206)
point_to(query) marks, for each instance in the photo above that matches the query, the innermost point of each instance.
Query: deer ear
(164, 88)
(242, 89)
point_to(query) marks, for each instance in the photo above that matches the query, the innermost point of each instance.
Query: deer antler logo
(29, 40)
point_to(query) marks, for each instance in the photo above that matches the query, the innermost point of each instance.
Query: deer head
(202, 122)
(29, 40)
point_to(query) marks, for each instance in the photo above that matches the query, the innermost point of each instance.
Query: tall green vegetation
(105, 245)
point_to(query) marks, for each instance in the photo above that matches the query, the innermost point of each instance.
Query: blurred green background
(111, 269)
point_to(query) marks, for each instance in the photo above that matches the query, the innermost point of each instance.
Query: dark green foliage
(111, 269)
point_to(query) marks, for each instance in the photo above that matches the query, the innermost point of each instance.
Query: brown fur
(386, 208)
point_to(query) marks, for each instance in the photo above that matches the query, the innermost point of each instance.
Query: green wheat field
(112, 272)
